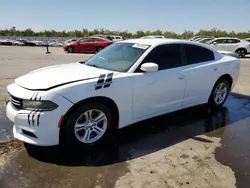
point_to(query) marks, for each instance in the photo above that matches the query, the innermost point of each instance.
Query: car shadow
(246, 57)
(139, 139)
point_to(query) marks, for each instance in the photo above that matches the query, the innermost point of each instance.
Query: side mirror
(214, 43)
(149, 67)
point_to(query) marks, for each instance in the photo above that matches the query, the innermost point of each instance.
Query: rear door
(93, 44)
(202, 72)
(232, 45)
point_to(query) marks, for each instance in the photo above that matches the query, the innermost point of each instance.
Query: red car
(89, 44)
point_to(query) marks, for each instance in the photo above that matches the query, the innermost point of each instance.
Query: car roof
(154, 41)
(227, 38)
(158, 41)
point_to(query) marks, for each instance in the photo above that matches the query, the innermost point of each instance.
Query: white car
(241, 47)
(247, 39)
(153, 37)
(18, 43)
(204, 40)
(127, 82)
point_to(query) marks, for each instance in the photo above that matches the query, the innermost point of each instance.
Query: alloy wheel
(91, 126)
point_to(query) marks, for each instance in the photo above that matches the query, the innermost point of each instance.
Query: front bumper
(44, 134)
(36, 127)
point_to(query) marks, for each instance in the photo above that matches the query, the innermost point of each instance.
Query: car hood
(71, 43)
(53, 76)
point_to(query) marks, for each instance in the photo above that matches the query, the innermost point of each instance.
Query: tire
(70, 49)
(98, 49)
(221, 88)
(242, 52)
(80, 135)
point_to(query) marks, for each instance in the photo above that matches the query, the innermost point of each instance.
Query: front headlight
(39, 105)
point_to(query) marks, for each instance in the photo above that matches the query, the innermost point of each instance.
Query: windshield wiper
(94, 66)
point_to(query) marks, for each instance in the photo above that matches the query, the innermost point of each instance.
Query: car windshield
(118, 56)
(204, 40)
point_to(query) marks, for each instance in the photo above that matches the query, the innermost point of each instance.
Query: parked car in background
(231, 45)
(56, 44)
(197, 37)
(129, 81)
(39, 43)
(27, 42)
(17, 43)
(111, 37)
(153, 37)
(6, 42)
(87, 44)
(247, 39)
(116, 38)
(67, 41)
(204, 40)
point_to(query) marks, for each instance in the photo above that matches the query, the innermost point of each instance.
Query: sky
(131, 15)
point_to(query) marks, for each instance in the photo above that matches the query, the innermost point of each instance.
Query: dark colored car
(5, 42)
(88, 44)
(26, 42)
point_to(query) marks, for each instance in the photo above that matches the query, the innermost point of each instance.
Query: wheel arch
(241, 48)
(104, 100)
(227, 77)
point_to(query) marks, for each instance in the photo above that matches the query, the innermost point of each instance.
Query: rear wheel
(219, 93)
(87, 125)
(242, 52)
(70, 49)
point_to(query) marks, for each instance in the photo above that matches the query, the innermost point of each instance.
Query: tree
(85, 32)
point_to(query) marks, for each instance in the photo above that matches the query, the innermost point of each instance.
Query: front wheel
(219, 93)
(88, 124)
(70, 49)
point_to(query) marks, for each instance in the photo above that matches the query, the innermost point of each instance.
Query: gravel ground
(175, 154)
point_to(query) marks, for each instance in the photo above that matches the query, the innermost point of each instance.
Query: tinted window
(82, 40)
(166, 56)
(232, 41)
(197, 54)
(221, 41)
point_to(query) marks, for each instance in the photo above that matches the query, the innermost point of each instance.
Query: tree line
(86, 32)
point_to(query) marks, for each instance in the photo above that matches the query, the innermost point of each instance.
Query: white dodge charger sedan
(127, 82)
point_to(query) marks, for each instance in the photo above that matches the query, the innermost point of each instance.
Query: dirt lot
(202, 149)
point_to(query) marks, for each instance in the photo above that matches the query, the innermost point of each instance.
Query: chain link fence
(58, 39)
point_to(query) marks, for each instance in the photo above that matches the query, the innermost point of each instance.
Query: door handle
(182, 76)
(215, 69)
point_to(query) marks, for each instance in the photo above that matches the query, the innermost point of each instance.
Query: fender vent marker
(100, 83)
(32, 115)
(108, 80)
(35, 114)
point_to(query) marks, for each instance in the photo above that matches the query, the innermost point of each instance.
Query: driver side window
(166, 56)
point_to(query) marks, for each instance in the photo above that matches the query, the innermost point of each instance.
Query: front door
(220, 44)
(163, 90)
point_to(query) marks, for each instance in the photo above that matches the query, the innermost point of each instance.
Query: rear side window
(198, 54)
(232, 41)
(221, 41)
(166, 56)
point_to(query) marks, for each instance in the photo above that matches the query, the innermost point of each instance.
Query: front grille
(16, 102)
